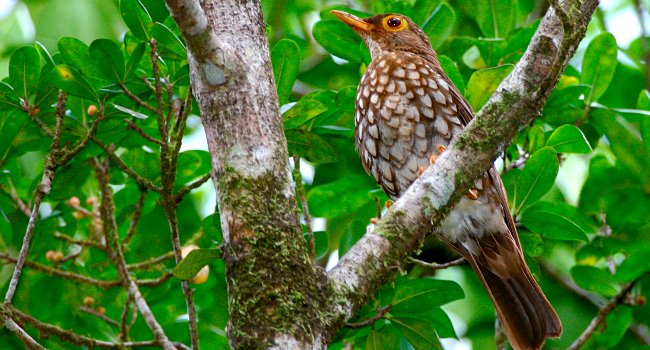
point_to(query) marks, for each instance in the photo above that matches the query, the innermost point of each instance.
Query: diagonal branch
(517, 101)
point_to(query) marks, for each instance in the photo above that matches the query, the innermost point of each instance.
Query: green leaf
(537, 178)
(77, 54)
(635, 265)
(451, 69)
(556, 221)
(483, 83)
(418, 332)
(595, 280)
(24, 69)
(71, 81)
(531, 243)
(383, 339)
(194, 262)
(135, 58)
(352, 234)
(627, 146)
(212, 227)
(345, 192)
(440, 24)
(599, 65)
(192, 164)
(495, 18)
(302, 112)
(338, 39)
(107, 55)
(310, 147)
(412, 294)
(569, 139)
(135, 18)
(168, 40)
(615, 326)
(424, 10)
(536, 138)
(285, 57)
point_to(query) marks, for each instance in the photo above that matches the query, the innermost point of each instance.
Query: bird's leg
(472, 194)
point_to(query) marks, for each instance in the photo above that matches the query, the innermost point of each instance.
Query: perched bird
(407, 111)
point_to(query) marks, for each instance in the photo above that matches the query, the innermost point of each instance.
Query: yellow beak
(353, 21)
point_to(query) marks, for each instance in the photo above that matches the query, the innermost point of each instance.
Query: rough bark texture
(277, 299)
(276, 296)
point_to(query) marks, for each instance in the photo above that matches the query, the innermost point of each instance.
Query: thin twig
(100, 315)
(381, 312)
(29, 342)
(115, 253)
(124, 329)
(300, 192)
(600, 317)
(194, 185)
(136, 99)
(436, 266)
(141, 132)
(81, 242)
(147, 264)
(135, 218)
(78, 339)
(144, 182)
(19, 202)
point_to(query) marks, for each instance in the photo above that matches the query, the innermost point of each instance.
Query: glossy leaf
(168, 40)
(211, 225)
(440, 24)
(556, 221)
(71, 81)
(383, 339)
(302, 112)
(599, 65)
(531, 243)
(310, 147)
(346, 192)
(136, 19)
(418, 332)
(496, 18)
(410, 295)
(627, 147)
(194, 262)
(109, 58)
(615, 326)
(77, 54)
(285, 57)
(338, 39)
(537, 178)
(483, 83)
(24, 68)
(569, 139)
(595, 280)
(635, 265)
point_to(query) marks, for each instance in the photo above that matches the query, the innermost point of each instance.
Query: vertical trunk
(275, 294)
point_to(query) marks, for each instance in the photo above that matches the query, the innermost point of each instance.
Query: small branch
(381, 312)
(141, 132)
(19, 202)
(186, 189)
(146, 183)
(81, 242)
(100, 315)
(136, 99)
(144, 265)
(124, 329)
(135, 219)
(436, 266)
(29, 342)
(67, 156)
(78, 339)
(600, 317)
(300, 193)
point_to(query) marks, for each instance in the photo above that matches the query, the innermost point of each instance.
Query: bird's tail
(527, 316)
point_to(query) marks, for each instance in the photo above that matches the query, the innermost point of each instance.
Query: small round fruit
(49, 255)
(101, 310)
(89, 301)
(204, 273)
(74, 202)
(92, 110)
(91, 200)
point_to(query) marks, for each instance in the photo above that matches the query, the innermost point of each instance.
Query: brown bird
(407, 111)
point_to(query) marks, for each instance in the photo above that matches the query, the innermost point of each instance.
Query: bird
(407, 111)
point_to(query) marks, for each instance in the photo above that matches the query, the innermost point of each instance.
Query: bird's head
(388, 32)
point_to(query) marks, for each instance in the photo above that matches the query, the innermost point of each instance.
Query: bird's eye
(394, 22)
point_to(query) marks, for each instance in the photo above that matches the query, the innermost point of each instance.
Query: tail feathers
(526, 314)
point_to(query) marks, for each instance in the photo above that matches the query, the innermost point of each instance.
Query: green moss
(273, 287)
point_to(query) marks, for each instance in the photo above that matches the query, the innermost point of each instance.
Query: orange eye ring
(394, 23)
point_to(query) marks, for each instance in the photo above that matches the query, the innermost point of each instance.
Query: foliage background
(578, 179)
